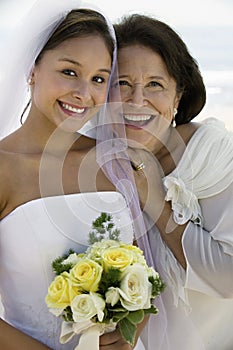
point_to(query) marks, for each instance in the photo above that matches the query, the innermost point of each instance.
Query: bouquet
(107, 285)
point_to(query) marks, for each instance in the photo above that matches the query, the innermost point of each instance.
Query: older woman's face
(148, 94)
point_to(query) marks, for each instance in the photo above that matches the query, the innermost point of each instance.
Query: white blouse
(199, 301)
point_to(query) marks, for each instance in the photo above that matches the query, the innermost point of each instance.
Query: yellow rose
(118, 258)
(138, 256)
(86, 275)
(58, 293)
(133, 248)
(73, 291)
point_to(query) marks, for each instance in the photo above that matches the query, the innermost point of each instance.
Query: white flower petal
(99, 305)
(134, 288)
(112, 296)
(184, 203)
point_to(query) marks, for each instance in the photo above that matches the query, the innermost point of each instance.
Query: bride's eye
(69, 72)
(98, 79)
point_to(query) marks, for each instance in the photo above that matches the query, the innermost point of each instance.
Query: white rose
(152, 273)
(86, 306)
(135, 289)
(72, 259)
(96, 250)
(112, 296)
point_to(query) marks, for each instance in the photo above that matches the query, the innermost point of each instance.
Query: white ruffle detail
(204, 170)
(184, 203)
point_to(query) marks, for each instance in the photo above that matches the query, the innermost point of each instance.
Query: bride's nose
(82, 90)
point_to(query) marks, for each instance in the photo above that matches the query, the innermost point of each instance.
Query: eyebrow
(150, 77)
(76, 63)
(157, 77)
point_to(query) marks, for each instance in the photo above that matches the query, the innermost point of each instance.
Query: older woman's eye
(155, 84)
(69, 72)
(118, 83)
(123, 83)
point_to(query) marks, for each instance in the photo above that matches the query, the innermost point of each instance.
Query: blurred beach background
(205, 26)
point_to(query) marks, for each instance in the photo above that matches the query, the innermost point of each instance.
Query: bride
(63, 62)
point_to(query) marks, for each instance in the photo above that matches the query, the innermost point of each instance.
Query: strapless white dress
(31, 237)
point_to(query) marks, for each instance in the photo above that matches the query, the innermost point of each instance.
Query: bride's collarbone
(30, 176)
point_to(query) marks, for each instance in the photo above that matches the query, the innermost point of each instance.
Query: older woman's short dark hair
(162, 39)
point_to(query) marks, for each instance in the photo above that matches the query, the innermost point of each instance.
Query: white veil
(19, 51)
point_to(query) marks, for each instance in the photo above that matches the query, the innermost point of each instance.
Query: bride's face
(148, 94)
(69, 84)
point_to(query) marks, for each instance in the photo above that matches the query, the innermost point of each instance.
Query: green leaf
(128, 330)
(119, 316)
(103, 227)
(68, 315)
(136, 317)
(59, 267)
(111, 278)
(114, 234)
(117, 309)
(151, 310)
(158, 285)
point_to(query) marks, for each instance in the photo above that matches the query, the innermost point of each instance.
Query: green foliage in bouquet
(101, 226)
(112, 276)
(59, 266)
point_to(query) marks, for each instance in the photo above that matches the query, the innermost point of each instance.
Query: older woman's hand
(152, 197)
(148, 181)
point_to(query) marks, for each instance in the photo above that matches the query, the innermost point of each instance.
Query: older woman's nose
(137, 95)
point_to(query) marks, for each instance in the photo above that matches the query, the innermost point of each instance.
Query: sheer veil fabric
(20, 49)
(25, 42)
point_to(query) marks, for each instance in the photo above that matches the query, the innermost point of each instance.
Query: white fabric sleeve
(205, 169)
(209, 250)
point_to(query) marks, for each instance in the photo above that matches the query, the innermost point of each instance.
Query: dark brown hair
(79, 23)
(181, 66)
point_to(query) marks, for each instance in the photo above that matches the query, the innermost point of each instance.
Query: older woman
(183, 171)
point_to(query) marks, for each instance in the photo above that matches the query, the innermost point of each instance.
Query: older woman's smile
(138, 120)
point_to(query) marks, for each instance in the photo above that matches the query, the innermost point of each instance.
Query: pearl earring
(30, 80)
(174, 115)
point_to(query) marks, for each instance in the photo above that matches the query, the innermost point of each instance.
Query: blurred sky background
(206, 26)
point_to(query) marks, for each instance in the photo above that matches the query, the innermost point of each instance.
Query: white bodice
(31, 237)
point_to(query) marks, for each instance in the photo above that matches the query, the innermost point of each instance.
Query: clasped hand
(148, 180)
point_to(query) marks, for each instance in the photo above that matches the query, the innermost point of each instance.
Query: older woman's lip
(137, 121)
(138, 117)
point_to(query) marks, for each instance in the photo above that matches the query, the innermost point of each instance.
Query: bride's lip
(72, 110)
(137, 121)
